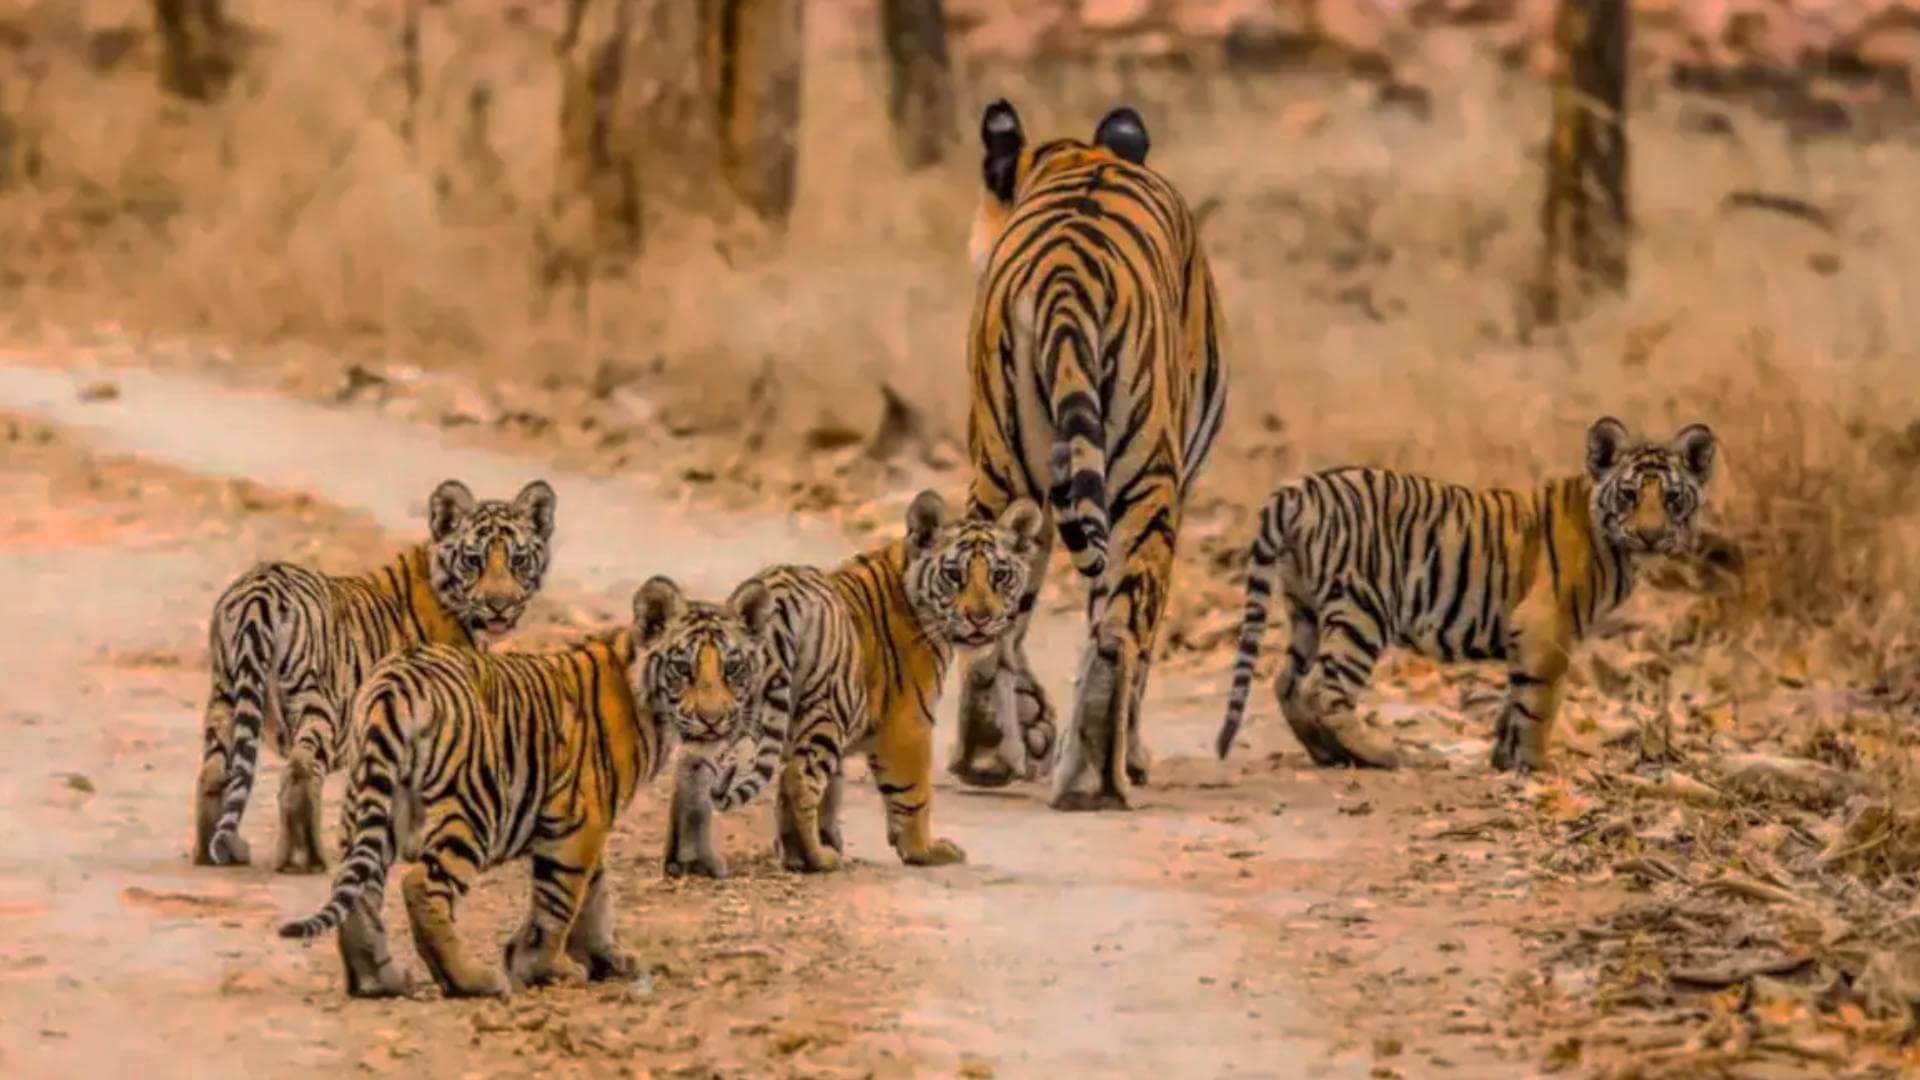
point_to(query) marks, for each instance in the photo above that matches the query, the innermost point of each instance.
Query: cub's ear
(449, 504)
(1003, 140)
(753, 602)
(654, 606)
(1605, 440)
(1697, 447)
(1124, 133)
(924, 518)
(1022, 518)
(536, 500)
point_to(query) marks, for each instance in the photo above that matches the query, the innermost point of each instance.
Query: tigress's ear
(1124, 133)
(753, 602)
(1605, 439)
(449, 503)
(1022, 518)
(1697, 447)
(536, 500)
(655, 606)
(1001, 137)
(924, 518)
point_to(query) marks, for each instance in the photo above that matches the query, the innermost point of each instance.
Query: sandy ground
(1253, 919)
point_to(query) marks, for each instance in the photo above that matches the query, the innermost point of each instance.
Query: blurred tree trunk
(410, 77)
(919, 78)
(197, 44)
(755, 50)
(688, 104)
(1585, 223)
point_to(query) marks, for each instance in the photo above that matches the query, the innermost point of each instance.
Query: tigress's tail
(737, 786)
(243, 642)
(1263, 576)
(378, 796)
(1068, 352)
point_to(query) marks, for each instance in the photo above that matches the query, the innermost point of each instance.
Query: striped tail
(376, 795)
(737, 787)
(1263, 575)
(1069, 354)
(245, 661)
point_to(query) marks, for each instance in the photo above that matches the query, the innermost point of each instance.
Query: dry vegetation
(1739, 754)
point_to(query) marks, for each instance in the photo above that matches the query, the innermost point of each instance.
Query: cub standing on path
(292, 645)
(1370, 559)
(1098, 387)
(859, 654)
(470, 760)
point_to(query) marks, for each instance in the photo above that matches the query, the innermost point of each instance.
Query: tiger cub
(1370, 559)
(469, 760)
(859, 655)
(290, 645)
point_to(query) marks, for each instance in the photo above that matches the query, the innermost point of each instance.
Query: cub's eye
(736, 668)
(1676, 502)
(681, 668)
(472, 560)
(523, 561)
(1002, 576)
(1625, 499)
(951, 572)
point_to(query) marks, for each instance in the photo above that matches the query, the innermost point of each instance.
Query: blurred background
(729, 235)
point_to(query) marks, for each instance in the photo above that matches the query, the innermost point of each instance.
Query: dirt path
(1249, 920)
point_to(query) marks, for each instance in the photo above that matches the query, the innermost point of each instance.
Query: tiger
(859, 654)
(292, 644)
(1099, 386)
(1368, 559)
(469, 760)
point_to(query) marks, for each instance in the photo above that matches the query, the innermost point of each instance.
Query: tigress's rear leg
(315, 727)
(1006, 729)
(591, 940)
(1324, 715)
(372, 972)
(830, 814)
(211, 785)
(1102, 754)
(433, 887)
(537, 954)
(1090, 772)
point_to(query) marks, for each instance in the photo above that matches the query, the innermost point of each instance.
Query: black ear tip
(1125, 133)
(999, 120)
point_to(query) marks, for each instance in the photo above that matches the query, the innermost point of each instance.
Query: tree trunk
(692, 105)
(919, 79)
(755, 50)
(197, 44)
(1584, 220)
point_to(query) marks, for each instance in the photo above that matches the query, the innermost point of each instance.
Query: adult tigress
(1098, 387)
(290, 646)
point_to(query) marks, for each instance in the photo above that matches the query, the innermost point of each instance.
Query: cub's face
(1646, 495)
(704, 664)
(488, 556)
(965, 577)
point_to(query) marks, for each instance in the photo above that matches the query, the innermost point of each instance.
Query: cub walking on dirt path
(290, 646)
(1369, 559)
(470, 760)
(859, 655)
(1098, 385)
